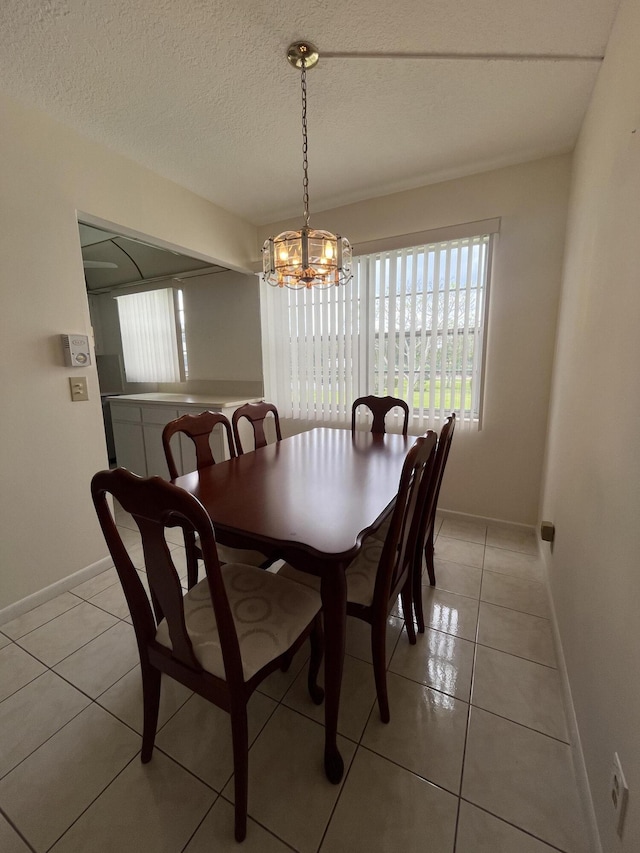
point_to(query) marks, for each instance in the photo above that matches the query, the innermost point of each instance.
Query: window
(152, 331)
(411, 324)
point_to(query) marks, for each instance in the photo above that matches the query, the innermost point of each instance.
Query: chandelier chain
(305, 145)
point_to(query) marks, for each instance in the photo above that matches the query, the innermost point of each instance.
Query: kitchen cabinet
(138, 421)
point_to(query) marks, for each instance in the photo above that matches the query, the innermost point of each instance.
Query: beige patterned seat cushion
(269, 613)
(360, 575)
(240, 555)
(381, 532)
(246, 556)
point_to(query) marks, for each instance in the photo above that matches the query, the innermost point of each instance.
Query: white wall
(592, 479)
(222, 321)
(223, 327)
(495, 472)
(51, 447)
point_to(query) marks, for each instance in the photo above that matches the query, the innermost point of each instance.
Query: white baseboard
(484, 519)
(579, 764)
(25, 604)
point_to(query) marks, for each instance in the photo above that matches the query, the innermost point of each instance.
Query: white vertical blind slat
(444, 350)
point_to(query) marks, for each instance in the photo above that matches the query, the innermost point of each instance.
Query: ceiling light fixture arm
(308, 257)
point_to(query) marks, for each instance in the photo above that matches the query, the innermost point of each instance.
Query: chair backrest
(156, 505)
(255, 413)
(400, 542)
(429, 498)
(198, 428)
(380, 407)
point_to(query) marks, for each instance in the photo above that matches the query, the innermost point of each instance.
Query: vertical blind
(151, 342)
(411, 324)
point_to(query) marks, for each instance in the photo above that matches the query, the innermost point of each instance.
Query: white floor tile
(4, 641)
(66, 633)
(95, 585)
(148, 807)
(407, 814)
(454, 577)
(481, 832)
(459, 551)
(124, 699)
(66, 774)
(17, 668)
(513, 538)
(439, 660)
(516, 593)
(453, 614)
(525, 566)
(516, 633)
(529, 781)
(298, 800)
(32, 714)
(357, 697)
(217, 834)
(10, 841)
(99, 664)
(462, 528)
(40, 615)
(358, 641)
(198, 736)
(425, 734)
(525, 692)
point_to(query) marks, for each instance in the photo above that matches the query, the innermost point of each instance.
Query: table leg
(334, 603)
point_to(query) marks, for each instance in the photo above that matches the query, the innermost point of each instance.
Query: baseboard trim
(579, 764)
(484, 519)
(18, 608)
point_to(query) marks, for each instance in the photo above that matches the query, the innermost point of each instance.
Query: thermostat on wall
(76, 350)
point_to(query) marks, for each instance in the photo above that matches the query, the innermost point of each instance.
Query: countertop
(207, 401)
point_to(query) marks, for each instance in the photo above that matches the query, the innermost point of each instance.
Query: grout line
(549, 844)
(464, 748)
(47, 621)
(16, 830)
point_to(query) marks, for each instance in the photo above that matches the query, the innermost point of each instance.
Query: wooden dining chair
(199, 428)
(380, 408)
(425, 511)
(221, 638)
(424, 543)
(256, 414)
(384, 570)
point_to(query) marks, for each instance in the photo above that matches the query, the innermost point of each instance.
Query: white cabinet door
(129, 446)
(154, 452)
(154, 419)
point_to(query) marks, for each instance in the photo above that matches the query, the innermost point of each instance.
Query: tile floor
(476, 758)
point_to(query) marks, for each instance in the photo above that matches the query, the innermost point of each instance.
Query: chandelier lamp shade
(309, 257)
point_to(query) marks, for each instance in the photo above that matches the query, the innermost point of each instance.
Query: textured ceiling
(201, 92)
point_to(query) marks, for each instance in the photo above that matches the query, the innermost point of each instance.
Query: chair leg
(240, 738)
(317, 653)
(428, 553)
(407, 606)
(192, 558)
(285, 661)
(416, 582)
(378, 653)
(151, 678)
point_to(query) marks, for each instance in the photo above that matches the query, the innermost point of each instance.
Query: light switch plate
(78, 385)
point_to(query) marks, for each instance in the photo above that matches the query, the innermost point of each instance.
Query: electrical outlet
(78, 385)
(619, 793)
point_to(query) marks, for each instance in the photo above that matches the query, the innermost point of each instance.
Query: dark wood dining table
(309, 499)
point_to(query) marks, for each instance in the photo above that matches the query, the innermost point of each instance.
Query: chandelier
(308, 257)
